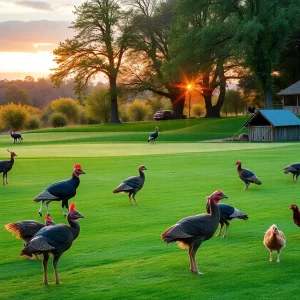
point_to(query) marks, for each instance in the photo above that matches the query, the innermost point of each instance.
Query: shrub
(138, 110)
(98, 105)
(67, 106)
(198, 110)
(58, 119)
(33, 123)
(13, 116)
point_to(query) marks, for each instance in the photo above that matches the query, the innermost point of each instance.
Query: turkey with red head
(192, 231)
(54, 240)
(227, 213)
(132, 185)
(296, 214)
(246, 175)
(62, 190)
(25, 230)
(294, 169)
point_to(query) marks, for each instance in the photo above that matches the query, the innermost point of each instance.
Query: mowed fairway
(119, 253)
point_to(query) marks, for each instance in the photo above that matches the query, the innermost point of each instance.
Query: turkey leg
(45, 262)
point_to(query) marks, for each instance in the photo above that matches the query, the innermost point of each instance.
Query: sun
(40, 61)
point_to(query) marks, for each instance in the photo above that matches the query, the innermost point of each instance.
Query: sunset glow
(40, 61)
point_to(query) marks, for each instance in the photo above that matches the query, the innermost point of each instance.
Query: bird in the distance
(153, 136)
(294, 169)
(132, 184)
(246, 175)
(192, 231)
(6, 165)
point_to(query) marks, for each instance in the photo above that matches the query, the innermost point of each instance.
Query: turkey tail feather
(14, 229)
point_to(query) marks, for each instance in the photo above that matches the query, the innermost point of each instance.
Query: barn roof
(277, 117)
(293, 89)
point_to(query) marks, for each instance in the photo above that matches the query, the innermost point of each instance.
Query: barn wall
(260, 133)
(288, 133)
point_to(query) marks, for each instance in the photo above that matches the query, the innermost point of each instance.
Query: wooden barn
(291, 97)
(268, 125)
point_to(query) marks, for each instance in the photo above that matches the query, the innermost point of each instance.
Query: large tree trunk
(268, 98)
(177, 97)
(113, 101)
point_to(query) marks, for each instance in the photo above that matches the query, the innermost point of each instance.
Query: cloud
(35, 5)
(18, 36)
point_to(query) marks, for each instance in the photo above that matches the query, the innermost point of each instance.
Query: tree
(264, 28)
(98, 105)
(104, 33)
(202, 44)
(233, 103)
(13, 116)
(67, 106)
(14, 94)
(151, 50)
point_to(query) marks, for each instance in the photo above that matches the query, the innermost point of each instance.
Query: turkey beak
(145, 168)
(224, 196)
(80, 216)
(82, 172)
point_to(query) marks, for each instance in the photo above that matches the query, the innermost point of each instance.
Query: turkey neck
(74, 226)
(239, 167)
(214, 210)
(142, 175)
(12, 160)
(76, 180)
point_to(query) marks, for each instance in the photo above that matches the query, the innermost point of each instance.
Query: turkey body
(247, 176)
(132, 185)
(6, 166)
(227, 213)
(54, 239)
(153, 136)
(192, 231)
(60, 191)
(16, 136)
(274, 240)
(296, 214)
(25, 230)
(294, 169)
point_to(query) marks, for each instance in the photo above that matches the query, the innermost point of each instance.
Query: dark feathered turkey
(16, 136)
(246, 175)
(25, 230)
(6, 165)
(153, 136)
(54, 240)
(227, 213)
(132, 185)
(296, 214)
(192, 231)
(62, 190)
(294, 169)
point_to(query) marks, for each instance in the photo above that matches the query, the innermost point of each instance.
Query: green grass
(192, 130)
(119, 253)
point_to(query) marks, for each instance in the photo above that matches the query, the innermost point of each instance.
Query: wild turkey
(246, 175)
(153, 136)
(6, 165)
(54, 239)
(62, 190)
(132, 185)
(227, 213)
(274, 240)
(192, 231)
(16, 136)
(294, 169)
(296, 214)
(25, 230)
